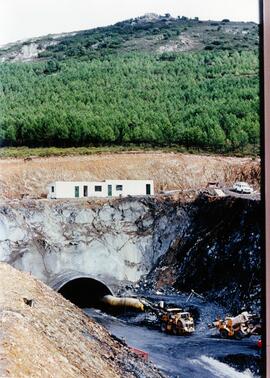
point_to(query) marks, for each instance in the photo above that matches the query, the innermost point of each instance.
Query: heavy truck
(177, 322)
(172, 320)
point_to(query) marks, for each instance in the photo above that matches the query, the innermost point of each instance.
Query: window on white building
(119, 187)
(52, 188)
(98, 188)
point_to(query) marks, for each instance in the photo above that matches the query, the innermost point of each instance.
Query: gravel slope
(53, 338)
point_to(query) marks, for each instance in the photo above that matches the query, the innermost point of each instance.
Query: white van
(242, 187)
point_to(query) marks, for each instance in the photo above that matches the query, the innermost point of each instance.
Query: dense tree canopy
(203, 99)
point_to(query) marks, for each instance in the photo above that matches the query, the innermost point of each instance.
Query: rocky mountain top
(44, 335)
(149, 33)
(148, 17)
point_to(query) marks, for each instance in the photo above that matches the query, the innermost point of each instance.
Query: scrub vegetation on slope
(160, 82)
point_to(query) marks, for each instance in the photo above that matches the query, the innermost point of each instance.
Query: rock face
(220, 255)
(113, 241)
(212, 245)
(26, 51)
(53, 338)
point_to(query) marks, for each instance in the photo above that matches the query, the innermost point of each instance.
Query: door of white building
(77, 191)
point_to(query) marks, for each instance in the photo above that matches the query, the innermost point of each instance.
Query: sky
(21, 19)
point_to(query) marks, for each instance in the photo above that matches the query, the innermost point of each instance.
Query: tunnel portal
(84, 292)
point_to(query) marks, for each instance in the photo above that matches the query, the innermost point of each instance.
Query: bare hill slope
(168, 170)
(53, 338)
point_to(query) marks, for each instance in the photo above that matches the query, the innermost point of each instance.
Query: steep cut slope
(209, 244)
(114, 240)
(53, 338)
(221, 254)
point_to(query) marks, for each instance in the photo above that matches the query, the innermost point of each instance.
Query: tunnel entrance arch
(81, 289)
(84, 292)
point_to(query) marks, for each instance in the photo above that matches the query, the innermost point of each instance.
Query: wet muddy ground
(203, 354)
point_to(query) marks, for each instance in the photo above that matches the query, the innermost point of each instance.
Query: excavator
(172, 320)
(238, 327)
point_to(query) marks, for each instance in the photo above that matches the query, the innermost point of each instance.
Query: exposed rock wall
(211, 245)
(114, 241)
(221, 253)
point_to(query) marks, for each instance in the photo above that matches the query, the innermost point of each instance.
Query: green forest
(126, 93)
(201, 99)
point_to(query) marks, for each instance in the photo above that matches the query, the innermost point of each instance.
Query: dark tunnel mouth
(84, 292)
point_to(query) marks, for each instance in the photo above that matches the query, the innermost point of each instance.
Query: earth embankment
(170, 171)
(44, 335)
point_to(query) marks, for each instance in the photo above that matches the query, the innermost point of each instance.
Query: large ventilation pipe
(87, 292)
(84, 292)
(124, 303)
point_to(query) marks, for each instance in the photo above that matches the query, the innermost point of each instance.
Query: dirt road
(203, 354)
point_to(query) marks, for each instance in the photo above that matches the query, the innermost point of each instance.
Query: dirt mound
(50, 337)
(19, 177)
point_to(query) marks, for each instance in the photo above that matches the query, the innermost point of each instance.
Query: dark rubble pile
(220, 255)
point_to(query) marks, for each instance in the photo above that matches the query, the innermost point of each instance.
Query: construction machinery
(177, 322)
(172, 320)
(238, 327)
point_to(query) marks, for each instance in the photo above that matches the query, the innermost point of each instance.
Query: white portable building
(107, 188)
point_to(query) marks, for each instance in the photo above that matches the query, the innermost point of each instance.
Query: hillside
(56, 339)
(153, 80)
(170, 171)
(149, 33)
